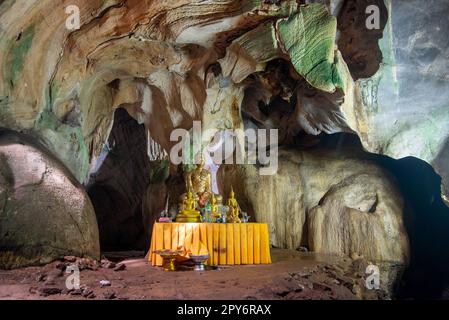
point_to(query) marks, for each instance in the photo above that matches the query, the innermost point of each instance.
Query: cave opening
(426, 219)
(118, 184)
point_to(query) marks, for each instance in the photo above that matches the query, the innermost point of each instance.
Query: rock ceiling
(172, 62)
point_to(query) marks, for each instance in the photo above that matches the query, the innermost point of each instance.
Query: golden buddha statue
(199, 181)
(215, 201)
(234, 208)
(188, 212)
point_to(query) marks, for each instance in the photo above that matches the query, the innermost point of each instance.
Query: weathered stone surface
(403, 110)
(309, 38)
(358, 44)
(169, 63)
(165, 181)
(331, 201)
(362, 214)
(64, 86)
(152, 57)
(250, 52)
(45, 214)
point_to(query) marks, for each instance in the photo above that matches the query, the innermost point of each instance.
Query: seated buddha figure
(234, 209)
(188, 212)
(215, 201)
(198, 181)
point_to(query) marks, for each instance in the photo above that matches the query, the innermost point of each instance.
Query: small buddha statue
(216, 215)
(188, 212)
(234, 208)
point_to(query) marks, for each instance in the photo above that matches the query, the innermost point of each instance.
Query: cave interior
(361, 116)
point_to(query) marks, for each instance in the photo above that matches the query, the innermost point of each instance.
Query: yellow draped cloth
(227, 244)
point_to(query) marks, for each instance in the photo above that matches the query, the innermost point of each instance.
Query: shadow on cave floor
(426, 218)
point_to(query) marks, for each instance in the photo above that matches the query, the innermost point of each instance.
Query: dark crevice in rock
(426, 219)
(118, 188)
(359, 45)
(440, 165)
(427, 222)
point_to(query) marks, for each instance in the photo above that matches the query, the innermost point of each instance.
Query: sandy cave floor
(293, 275)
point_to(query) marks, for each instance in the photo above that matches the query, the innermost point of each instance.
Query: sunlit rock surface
(404, 107)
(45, 213)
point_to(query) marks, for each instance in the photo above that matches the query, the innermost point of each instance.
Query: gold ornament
(198, 181)
(188, 212)
(234, 208)
(215, 201)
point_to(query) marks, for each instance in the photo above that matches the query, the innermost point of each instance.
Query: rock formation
(45, 213)
(153, 58)
(402, 109)
(330, 202)
(303, 67)
(327, 202)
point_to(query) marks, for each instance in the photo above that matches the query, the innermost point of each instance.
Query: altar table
(227, 243)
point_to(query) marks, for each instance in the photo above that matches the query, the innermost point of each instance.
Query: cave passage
(118, 187)
(426, 219)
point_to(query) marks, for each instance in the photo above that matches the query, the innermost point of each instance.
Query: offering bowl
(168, 259)
(199, 261)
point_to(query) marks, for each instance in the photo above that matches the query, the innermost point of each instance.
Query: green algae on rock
(19, 48)
(309, 39)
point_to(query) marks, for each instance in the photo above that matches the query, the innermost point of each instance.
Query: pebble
(120, 267)
(70, 258)
(49, 291)
(109, 265)
(40, 277)
(88, 293)
(61, 266)
(76, 292)
(105, 283)
(109, 295)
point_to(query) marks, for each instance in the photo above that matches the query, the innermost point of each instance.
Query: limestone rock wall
(403, 109)
(45, 213)
(328, 201)
(169, 63)
(153, 57)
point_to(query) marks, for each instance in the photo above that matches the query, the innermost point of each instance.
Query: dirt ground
(292, 275)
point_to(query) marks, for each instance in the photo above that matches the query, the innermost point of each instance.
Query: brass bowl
(199, 261)
(168, 259)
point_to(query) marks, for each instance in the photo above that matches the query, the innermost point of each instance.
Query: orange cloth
(228, 244)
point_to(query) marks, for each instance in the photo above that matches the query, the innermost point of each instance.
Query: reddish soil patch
(293, 275)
